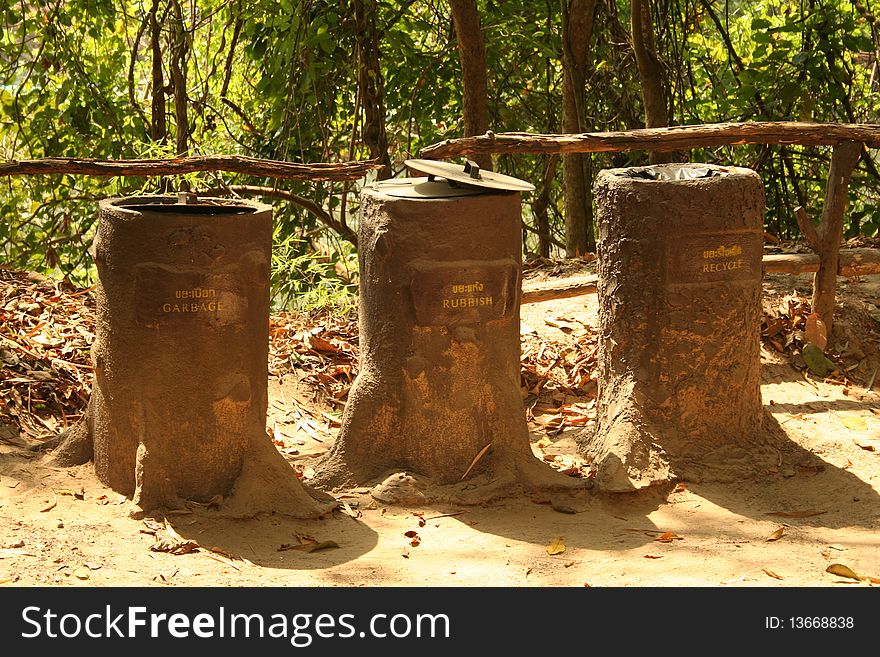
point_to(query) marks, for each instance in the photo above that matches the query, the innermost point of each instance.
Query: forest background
(343, 80)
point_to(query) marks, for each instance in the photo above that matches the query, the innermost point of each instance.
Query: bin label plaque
(465, 292)
(166, 296)
(714, 258)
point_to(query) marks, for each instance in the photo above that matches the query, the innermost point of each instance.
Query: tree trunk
(650, 71)
(541, 207)
(680, 320)
(370, 85)
(179, 54)
(474, 83)
(178, 406)
(158, 128)
(577, 170)
(436, 405)
(830, 230)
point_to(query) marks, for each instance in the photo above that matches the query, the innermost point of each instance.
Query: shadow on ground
(274, 541)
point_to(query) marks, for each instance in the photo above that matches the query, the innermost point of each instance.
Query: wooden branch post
(673, 138)
(830, 230)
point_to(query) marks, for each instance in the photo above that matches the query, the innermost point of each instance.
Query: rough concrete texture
(178, 406)
(680, 318)
(437, 402)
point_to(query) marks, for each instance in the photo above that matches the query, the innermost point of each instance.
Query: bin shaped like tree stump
(178, 407)
(679, 287)
(435, 412)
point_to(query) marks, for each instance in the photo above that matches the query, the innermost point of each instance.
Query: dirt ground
(61, 527)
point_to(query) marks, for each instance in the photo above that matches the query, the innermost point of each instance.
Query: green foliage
(279, 80)
(303, 280)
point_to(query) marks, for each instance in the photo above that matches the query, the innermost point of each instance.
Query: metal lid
(470, 176)
(423, 188)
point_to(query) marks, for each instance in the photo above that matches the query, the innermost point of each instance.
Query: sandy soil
(61, 527)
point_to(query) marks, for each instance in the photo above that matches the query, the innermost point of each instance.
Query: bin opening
(199, 207)
(673, 173)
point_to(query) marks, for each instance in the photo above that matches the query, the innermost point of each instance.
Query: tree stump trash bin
(679, 257)
(178, 406)
(435, 412)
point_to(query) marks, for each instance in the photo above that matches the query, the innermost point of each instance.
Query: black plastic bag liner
(673, 173)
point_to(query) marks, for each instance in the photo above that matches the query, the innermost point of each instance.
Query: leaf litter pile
(46, 330)
(790, 327)
(558, 378)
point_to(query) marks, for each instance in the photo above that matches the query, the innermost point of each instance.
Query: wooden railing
(174, 167)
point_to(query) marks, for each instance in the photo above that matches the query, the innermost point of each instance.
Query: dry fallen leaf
(219, 550)
(668, 537)
(556, 546)
(775, 536)
(843, 571)
(153, 526)
(13, 551)
(796, 514)
(320, 344)
(846, 571)
(51, 505)
(561, 323)
(174, 546)
(311, 546)
(855, 422)
(477, 458)
(772, 574)
(223, 560)
(815, 331)
(865, 444)
(65, 491)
